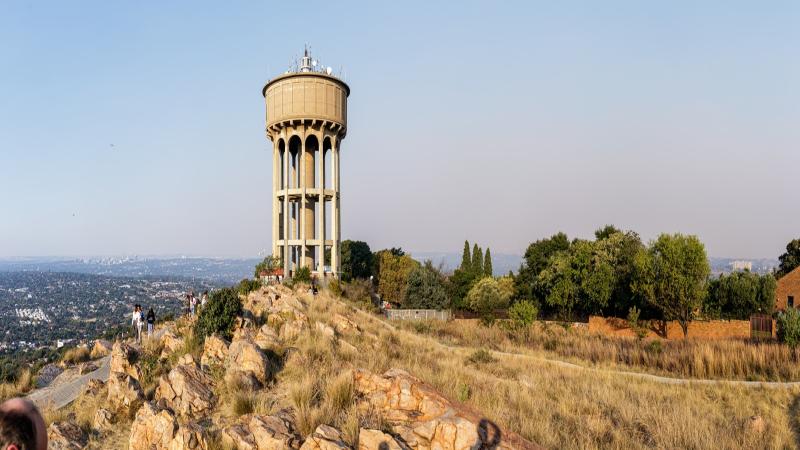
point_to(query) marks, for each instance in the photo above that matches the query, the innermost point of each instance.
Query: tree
(426, 289)
(788, 328)
(558, 281)
(356, 260)
(302, 275)
(394, 272)
(477, 261)
(523, 313)
(219, 314)
(536, 258)
(376, 259)
(466, 260)
(461, 282)
(487, 263)
(672, 274)
(790, 259)
(740, 294)
(269, 264)
(605, 232)
(486, 297)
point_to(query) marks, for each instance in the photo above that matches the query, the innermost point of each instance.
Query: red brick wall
(706, 329)
(788, 285)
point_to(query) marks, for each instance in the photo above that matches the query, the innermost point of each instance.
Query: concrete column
(308, 207)
(285, 173)
(335, 257)
(302, 211)
(321, 208)
(275, 204)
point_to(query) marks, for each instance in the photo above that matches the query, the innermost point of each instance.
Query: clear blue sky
(497, 122)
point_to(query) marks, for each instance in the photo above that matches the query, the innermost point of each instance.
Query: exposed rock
(267, 338)
(171, 343)
(122, 356)
(239, 436)
(326, 330)
(87, 367)
(426, 420)
(344, 325)
(346, 346)
(101, 348)
(66, 435)
(273, 433)
(47, 374)
(124, 391)
(215, 351)
(292, 328)
(189, 437)
(324, 438)
(244, 357)
(102, 419)
(187, 390)
(93, 387)
(187, 360)
(377, 439)
(153, 429)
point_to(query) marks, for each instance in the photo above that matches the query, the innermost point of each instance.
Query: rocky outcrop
(101, 348)
(215, 351)
(170, 343)
(124, 391)
(246, 360)
(344, 325)
(153, 429)
(239, 437)
(187, 390)
(66, 435)
(47, 374)
(325, 330)
(190, 436)
(122, 358)
(377, 439)
(325, 438)
(93, 388)
(423, 418)
(86, 367)
(267, 338)
(290, 329)
(273, 432)
(103, 419)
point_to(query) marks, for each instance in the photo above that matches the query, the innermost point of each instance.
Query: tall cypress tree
(487, 263)
(477, 262)
(466, 261)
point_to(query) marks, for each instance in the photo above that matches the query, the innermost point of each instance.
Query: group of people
(138, 320)
(194, 302)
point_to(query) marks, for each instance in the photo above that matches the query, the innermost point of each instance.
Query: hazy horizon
(138, 129)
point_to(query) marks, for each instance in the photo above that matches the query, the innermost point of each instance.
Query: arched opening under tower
(327, 156)
(310, 200)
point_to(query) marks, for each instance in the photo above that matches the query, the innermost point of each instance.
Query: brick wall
(705, 329)
(788, 285)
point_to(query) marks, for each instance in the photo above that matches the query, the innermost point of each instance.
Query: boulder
(47, 374)
(189, 437)
(292, 328)
(187, 390)
(87, 367)
(122, 356)
(377, 439)
(344, 325)
(267, 338)
(103, 419)
(101, 348)
(215, 351)
(170, 343)
(239, 437)
(273, 433)
(187, 360)
(93, 387)
(325, 438)
(325, 330)
(124, 391)
(66, 435)
(244, 357)
(346, 346)
(153, 429)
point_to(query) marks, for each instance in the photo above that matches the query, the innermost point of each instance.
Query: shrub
(635, 324)
(247, 286)
(523, 313)
(335, 287)
(76, 355)
(481, 357)
(219, 315)
(788, 330)
(302, 275)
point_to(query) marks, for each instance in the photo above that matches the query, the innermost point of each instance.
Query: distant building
(742, 265)
(787, 294)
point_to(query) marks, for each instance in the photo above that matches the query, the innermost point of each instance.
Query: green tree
(269, 264)
(460, 283)
(790, 259)
(376, 260)
(466, 260)
(477, 261)
(302, 275)
(788, 328)
(605, 232)
(523, 313)
(219, 314)
(486, 297)
(672, 274)
(537, 257)
(356, 260)
(394, 272)
(740, 294)
(426, 289)
(487, 263)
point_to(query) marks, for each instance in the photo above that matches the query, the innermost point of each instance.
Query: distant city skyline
(138, 129)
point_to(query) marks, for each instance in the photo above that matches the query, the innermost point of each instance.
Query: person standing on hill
(137, 320)
(151, 321)
(204, 299)
(192, 304)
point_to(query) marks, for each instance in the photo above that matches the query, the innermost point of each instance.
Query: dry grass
(730, 359)
(76, 355)
(568, 408)
(22, 385)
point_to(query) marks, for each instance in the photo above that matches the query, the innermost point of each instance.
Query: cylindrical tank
(308, 95)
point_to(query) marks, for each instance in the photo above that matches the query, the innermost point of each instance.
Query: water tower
(306, 122)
